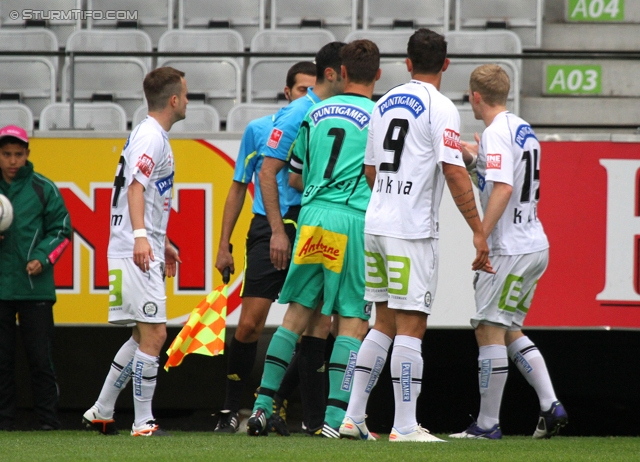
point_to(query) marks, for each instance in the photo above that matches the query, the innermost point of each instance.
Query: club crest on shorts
(427, 300)
(150, 309)
(367, 308)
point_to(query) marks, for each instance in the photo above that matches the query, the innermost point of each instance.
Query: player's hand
(171, 260)
(471, 148)
(142, 254)
(34, 267)
(481, 261)
(280, 250)
(225, 260)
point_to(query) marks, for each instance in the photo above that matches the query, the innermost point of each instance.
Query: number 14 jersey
(413, 129)
(509, 152)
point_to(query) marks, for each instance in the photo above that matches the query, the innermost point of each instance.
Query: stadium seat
(31, 79)
(339, 16)
(455, 80)
(495, 42)
(291, 41)
(522, 16)
(201, 118)
(217, 80)
(411, 14)
(394, 73)
(241, 114)
(125, 40)
(388, 41)
(32, 39)
(244, 16)
(468, 123)
(154, 17)
(117, 79)
(203, 40)
(87, 116)
(266, 76)
(62, 28)
(16, 114)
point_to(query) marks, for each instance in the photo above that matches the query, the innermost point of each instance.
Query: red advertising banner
(590, 209)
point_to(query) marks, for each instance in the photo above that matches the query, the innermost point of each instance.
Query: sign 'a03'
(573, 80)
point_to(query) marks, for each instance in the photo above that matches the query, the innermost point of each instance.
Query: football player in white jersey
(140, 254)
(412, 150)
(507, 159)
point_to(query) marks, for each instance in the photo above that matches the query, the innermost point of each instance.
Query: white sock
(117, 379)
(372, 357)
(406, 375)
(527, 358)
(493, 368)
(145, 373)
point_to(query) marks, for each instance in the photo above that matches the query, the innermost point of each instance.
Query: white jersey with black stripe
(147, 158)
(413, 129)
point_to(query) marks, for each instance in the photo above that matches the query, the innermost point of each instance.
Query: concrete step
(577, 111)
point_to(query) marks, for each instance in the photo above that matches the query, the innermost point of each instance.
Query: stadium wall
(585, 316)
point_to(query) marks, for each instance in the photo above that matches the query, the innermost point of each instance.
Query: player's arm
(299, 151)
(295, 181)
(142, 252)
(56, 226)
(459, 184)
(498, 200)
(280, 245)
(171, 258)
(470, 152)
(370, 174)
(232, 209)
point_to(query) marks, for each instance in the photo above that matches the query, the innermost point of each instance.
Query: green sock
(279, 355)
(341, 369)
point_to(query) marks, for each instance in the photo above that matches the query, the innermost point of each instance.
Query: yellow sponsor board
(84, 171)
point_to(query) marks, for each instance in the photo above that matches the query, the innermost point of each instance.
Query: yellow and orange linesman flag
(204, 331)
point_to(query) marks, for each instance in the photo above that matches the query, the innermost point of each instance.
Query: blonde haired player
(507, 160)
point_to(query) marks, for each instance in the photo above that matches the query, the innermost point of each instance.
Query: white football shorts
(402, 272)
(503, 299)
(135, 296)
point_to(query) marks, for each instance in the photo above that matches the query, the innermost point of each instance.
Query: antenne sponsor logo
(320, 246)
(312, 247)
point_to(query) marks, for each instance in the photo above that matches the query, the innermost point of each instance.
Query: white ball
(6, 213)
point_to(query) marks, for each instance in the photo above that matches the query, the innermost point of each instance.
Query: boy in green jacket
(39, 233)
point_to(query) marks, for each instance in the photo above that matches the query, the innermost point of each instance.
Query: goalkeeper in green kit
(328, 255)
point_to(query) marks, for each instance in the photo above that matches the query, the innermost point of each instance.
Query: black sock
(312, 381)
(291, 378)
(239, 365)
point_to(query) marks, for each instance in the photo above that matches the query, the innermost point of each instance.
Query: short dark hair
(328, 57)
(12, 140)
(302, 67)
(427, 50)
(361, 58)
(161, 84)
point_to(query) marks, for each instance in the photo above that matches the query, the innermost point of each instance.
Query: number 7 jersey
(509, 152)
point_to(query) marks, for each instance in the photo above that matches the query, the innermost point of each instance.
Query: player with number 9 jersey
(509, 152)
(146, 157)
(418, 128)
